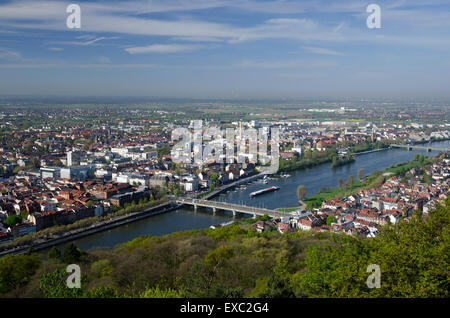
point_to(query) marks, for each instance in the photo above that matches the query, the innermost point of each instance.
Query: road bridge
(410, 147)
(235, 208)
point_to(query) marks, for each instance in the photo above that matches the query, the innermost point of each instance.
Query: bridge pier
(234, 208)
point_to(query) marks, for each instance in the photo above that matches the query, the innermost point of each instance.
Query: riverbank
(341, 162)
(323, 158)
(226, 187)
(374, 180)
(302, 206)
(96, 228)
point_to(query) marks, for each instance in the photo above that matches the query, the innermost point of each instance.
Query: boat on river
(262, 191)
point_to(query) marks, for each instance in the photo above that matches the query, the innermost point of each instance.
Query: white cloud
(162, 48)
(33, 10)
(85, 43)
(127, 18)
(7, 54)
(319, 50)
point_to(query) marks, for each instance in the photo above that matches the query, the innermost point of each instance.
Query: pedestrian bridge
(410, 147)
(235, 208)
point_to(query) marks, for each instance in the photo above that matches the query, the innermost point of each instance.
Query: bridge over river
(235, 208)
(427, 148)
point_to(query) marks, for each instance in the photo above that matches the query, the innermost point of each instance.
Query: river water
(313, 179)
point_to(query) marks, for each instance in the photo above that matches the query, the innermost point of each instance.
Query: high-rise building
(69, 159)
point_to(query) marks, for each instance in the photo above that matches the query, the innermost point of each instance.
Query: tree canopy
(236, 261)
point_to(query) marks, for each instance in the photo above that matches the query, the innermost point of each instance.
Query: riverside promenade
(41, 244)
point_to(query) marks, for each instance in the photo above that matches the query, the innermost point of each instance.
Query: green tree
(331, 219)
(277, 287)
(54, 285)
(334, 161)
(165, 150)
(102, 292)
(13, 220)
(427, 179)
(301, 192)
(411, 256)
(216, 258)
(360, 173)
(214, 177)
(16, 271)
(102, 268)
(54, 253)
(71, 254)
(323, 189)
(349, 182)
(156, 292)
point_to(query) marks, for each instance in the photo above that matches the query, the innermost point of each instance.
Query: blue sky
(226, 49)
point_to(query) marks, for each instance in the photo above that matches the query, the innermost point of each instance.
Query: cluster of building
(47, 202)
(363, 213)
(320, 135)
(62, 195)
(77, 163)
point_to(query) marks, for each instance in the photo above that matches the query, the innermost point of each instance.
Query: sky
(226, 49)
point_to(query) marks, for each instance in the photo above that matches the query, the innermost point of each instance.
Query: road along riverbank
(96, 228)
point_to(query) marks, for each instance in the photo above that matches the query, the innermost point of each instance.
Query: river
(313, 179)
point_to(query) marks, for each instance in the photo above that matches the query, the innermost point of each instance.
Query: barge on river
(269, 189)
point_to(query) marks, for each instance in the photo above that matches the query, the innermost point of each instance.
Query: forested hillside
(236, 261)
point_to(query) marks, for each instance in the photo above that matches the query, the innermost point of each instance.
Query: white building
(101, 173)
(69, 159)
(190, 184)
(50, 172)
(80, 172)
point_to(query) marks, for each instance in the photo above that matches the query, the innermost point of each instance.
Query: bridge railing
(420, 147)
(229, 206)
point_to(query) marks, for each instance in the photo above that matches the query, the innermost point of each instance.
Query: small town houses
(58, 174)
(44, 203)
(365, 212)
